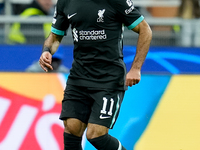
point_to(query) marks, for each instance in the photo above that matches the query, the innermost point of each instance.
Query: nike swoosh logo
(104, 117)
(69, 16)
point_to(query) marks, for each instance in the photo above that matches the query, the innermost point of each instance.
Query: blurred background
(160, 113)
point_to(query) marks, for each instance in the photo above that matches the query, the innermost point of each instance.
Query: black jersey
(97, 27)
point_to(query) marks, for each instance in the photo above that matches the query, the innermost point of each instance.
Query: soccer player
(98, 78)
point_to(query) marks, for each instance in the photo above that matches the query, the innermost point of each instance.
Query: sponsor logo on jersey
(75, 34)
(131, 6)
(100, 14)
(54, 20)
(129, 2)
(54, 16)
(55, 13)
(88, 35)
(70, 16)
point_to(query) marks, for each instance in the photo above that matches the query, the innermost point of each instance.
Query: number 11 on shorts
(105, 103)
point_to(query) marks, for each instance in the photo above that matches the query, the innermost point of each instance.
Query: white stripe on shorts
(120, 146)
(117, 108)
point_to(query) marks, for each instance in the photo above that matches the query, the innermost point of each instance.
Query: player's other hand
(45, 61)
(133, 77)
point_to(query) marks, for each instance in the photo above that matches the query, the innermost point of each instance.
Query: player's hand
(133, 77)
(45, 61)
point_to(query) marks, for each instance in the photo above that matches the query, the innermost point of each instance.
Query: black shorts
(91, 105)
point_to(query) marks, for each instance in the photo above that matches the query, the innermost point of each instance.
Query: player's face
(46, 4)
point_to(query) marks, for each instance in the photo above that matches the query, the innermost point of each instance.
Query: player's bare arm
(50, 47)
(144, 40)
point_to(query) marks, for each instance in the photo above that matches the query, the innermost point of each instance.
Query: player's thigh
(106, 107)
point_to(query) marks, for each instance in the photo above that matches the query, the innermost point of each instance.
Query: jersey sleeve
(130, 16)
(60, 22)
